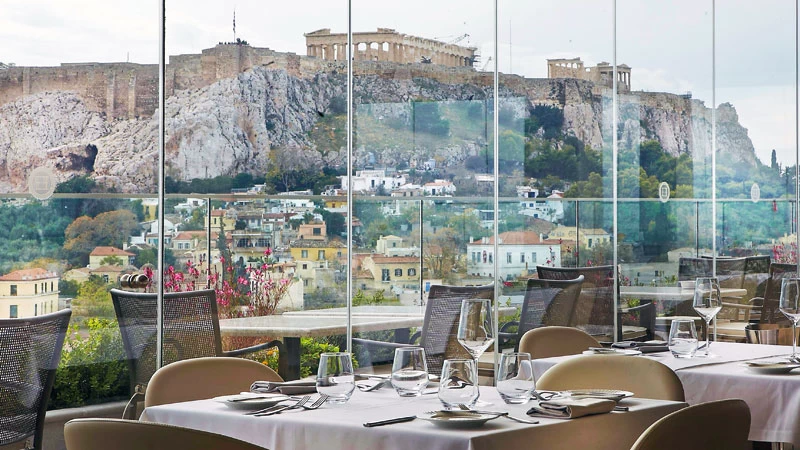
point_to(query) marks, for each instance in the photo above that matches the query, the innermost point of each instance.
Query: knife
(389, 421)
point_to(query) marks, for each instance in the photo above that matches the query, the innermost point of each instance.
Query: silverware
(499, 413)
(374, 387)
(299, 404)
(278, 408)
(317, 403)
(378, 423)
(622, 408)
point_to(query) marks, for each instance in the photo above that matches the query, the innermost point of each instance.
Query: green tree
(107, 229)
(111, 261)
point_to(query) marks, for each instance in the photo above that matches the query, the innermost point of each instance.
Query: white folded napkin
(571, 408)
(284, 387)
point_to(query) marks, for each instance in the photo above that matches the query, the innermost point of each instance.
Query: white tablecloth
(335, 427)
(774, 400)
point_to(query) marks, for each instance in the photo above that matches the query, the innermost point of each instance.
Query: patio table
(339, 427)
(769, 397)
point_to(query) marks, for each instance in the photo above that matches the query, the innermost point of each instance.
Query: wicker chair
(547, 303)
(191, 330)
(440, 326)
(594, 310)
(30, 349)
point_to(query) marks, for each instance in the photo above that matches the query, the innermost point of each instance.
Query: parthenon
(602, 74)
(386, 44)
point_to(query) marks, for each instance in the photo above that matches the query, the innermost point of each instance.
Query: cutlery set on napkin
(285, 388)
(571, 408)
(644, 347)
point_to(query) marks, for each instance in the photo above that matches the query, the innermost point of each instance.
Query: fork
(278, 408)
(317, 403)
(374, 387)
(299, 404)
(500, 413)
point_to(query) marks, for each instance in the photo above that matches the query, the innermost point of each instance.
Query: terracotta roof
(28, 275)
(311, 243)
(394, 259)
(217, 212)
(109, 251)
(189, 235)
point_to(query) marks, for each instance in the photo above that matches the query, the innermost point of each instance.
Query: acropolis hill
(129, 90)
(230, 106)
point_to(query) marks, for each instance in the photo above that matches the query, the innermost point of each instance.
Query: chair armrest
(506, 326)
(741, 306)
(370, 342)
(635, 308)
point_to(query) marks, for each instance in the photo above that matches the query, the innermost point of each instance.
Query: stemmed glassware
(476, 327)
(790, 307)
(707, 303)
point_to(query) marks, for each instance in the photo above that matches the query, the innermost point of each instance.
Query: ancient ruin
(386, 44)
(601, 74)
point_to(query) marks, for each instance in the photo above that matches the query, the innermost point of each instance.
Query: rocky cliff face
(232, 126)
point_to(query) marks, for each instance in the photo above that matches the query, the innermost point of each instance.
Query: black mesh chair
(30, 349)
(440, 325)
(767, 306)
(191, 330)
(547, 303)
(594, 310)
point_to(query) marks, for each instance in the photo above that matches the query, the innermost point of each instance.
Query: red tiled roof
(109, 251)
(28, 275)
(514, 238)
(189, 235)
(394, 259)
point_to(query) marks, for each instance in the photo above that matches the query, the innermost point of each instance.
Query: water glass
(789, 305)
(515, 378)
(683, 338)
(409, 371)
(459, 383)
(335, 377)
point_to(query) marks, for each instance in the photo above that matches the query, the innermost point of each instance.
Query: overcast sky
(667, 44)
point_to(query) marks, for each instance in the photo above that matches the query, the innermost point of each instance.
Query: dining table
(774, 399)
(340, 427)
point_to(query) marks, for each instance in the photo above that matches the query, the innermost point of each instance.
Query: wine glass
(475, 327)
(790, 307)
(707, 303)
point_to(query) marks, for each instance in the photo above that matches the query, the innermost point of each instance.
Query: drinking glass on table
(458, 383)
(476, 329)
(707, 303)
(682, 338)
(335, 377)
(790, 307)
(515, 378)
(409, 371)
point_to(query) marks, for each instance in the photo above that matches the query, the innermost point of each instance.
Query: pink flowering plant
(255, 290)
(784, 253)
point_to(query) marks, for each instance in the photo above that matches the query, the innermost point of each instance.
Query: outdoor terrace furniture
(594, 309)
(440, 325)
(191, 330)
(102, 434)
(30, 349)
(644, 377)
(546, 303)
(722, 424)
(546, 342)
(199, 378)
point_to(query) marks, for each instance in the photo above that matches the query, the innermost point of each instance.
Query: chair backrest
(772, 292)
(644, 377)
(101, 434)
(548, 303)
(199, 378)
(30, 349)
(690, 269)
(756, 272)
(440, 326)
(191, 328)
(547, 342)
(722, 424)
(595, 304)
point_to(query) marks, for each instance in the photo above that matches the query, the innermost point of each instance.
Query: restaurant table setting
(761, 375)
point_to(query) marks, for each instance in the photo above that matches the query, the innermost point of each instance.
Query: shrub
(92, 368)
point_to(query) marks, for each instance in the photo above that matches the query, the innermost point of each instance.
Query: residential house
(97, 256)
(28, 293)
(519, 251)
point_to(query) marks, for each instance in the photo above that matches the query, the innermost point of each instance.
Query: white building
(372, 180)
(439, 187)
(520, 253)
